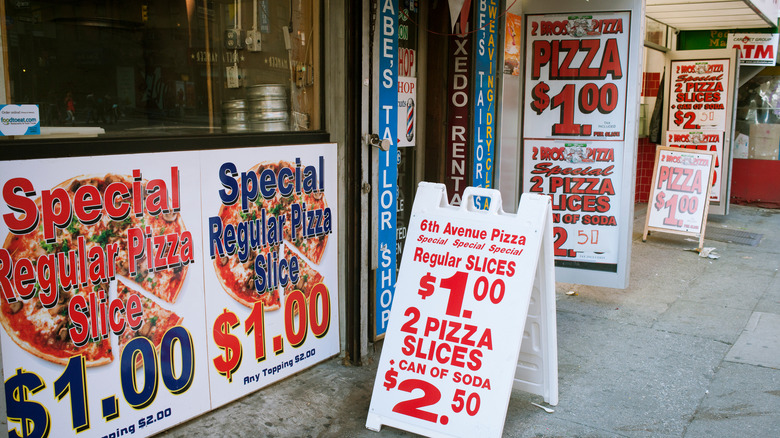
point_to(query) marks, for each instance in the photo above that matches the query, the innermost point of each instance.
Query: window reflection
(176, 67)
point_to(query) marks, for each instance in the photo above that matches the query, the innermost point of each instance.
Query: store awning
(713, 14)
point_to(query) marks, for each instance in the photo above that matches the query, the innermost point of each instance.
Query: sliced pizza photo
(308, 277)
(238, 278)
(156, 320)
(44, 332)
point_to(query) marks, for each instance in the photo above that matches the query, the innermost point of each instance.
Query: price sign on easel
(458, 315)
(680, 193)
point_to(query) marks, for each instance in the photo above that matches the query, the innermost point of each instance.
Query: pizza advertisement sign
(582, 179)
(703, 141)
(124, 304)
(698, 95)
(102, 308)
(576, 137)
(679, 196)
(576, 75)
(458, 317)
(271, 256)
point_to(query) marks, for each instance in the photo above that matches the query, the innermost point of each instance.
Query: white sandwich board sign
(680, 193)
(473, 286)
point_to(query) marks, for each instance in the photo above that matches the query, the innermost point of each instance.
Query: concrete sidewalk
(690, 349)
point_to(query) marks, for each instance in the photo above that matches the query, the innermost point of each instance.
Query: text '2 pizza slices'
(87, 254)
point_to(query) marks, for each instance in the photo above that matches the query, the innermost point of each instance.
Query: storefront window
(127, 68)
(758, 117)
(656, 34)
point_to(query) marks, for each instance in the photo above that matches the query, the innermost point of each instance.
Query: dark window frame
(24, 149)
(33, 147)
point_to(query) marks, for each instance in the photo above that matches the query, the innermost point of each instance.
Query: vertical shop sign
(574, 130)
(485, 96)
(387, 168)
(456, 164)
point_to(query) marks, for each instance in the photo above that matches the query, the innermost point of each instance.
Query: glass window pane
(655, 32)
(169, 67)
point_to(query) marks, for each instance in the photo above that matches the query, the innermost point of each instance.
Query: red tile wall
(650, 84)
(645, 158)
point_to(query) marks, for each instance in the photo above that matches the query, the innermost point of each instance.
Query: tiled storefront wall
(644, 169)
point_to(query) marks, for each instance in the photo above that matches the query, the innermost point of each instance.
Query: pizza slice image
(44, 332)
(312, 246)
(167, 283)
(272, 217)
(308, 277)
(82, 254)
(237, 277)
(156, 320)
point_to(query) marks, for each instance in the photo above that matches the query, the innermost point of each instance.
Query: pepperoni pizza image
(285, 221)
(55, 299)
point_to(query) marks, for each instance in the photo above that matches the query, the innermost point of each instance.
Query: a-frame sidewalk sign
(473, 316)
(680, 192)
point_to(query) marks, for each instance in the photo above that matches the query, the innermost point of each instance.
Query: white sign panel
(457, 320)
(579, 136)
(698, 95)
(754, 48)
(576, 75)
(582, 180)
(678, 198)
(271, 280)
(139, 291)
(115, 344)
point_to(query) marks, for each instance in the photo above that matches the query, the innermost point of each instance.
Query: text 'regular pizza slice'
(261, 208)
(257, 225)
(67, 246)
